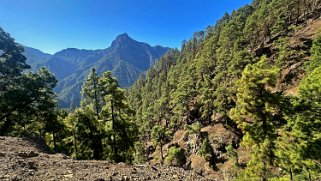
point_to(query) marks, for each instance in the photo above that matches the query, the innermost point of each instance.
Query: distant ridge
(126, 58)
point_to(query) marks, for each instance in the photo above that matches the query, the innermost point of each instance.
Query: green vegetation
(239, 73)
(175, 156)
(206, 150)
(103, 120)
(139, 155)
(257, 114)
(101, 128)
(27, 101)
(159, 137)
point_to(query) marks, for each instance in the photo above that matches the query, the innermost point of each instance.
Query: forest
(255, 74)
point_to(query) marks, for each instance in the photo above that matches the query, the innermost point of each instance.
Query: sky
(53, 25)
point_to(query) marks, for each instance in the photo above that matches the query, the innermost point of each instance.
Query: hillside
(225, 100)
(25, 159)
(126, 58)
(35, 57)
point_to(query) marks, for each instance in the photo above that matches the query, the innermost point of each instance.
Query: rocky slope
(25, 159)
(299, 42)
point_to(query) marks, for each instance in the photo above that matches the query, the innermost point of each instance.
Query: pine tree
(91, 94)
(117, 111)
(300, 141)
(26, 99)
(92, 101)
(308, 121)
(315, 55)
(257, 114)
(12, 64)
(206, 151)
(85, 134)
(159, 137)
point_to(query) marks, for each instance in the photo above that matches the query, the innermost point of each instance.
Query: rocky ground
(24, 159)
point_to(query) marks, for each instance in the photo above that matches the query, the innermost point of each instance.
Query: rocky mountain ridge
(126, 58)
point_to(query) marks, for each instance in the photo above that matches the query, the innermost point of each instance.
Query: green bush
(139, 155)
(206, 150)
(176, 156)
(195, 128)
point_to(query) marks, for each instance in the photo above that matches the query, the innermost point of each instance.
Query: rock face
(24, 159)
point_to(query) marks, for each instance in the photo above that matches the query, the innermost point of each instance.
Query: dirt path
(23, 159)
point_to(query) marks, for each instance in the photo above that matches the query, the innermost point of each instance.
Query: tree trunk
(97, 146)
(298, 11)
(54, 141)
(161, 150)
(113, 130)
(75, 145)
(96, 99)
(264, 177)
(305, 10)
(208, 113)
(291, 174)
(96, 143)
(7, 124)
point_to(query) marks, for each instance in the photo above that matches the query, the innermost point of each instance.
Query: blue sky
(52, 25)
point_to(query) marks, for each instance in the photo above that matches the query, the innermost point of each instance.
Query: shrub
(206, 150)
(176, 156)
(139, 155)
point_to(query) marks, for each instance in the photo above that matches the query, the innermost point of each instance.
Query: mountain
(35, 57)
(126, 58)
(240, 100)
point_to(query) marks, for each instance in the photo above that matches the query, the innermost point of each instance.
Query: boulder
(198, 164)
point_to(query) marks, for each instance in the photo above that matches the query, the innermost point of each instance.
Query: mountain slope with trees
(35, 57)
(232, 99)
(239, 101)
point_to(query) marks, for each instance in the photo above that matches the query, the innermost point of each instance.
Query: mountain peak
(123, 37)
(121, 40)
